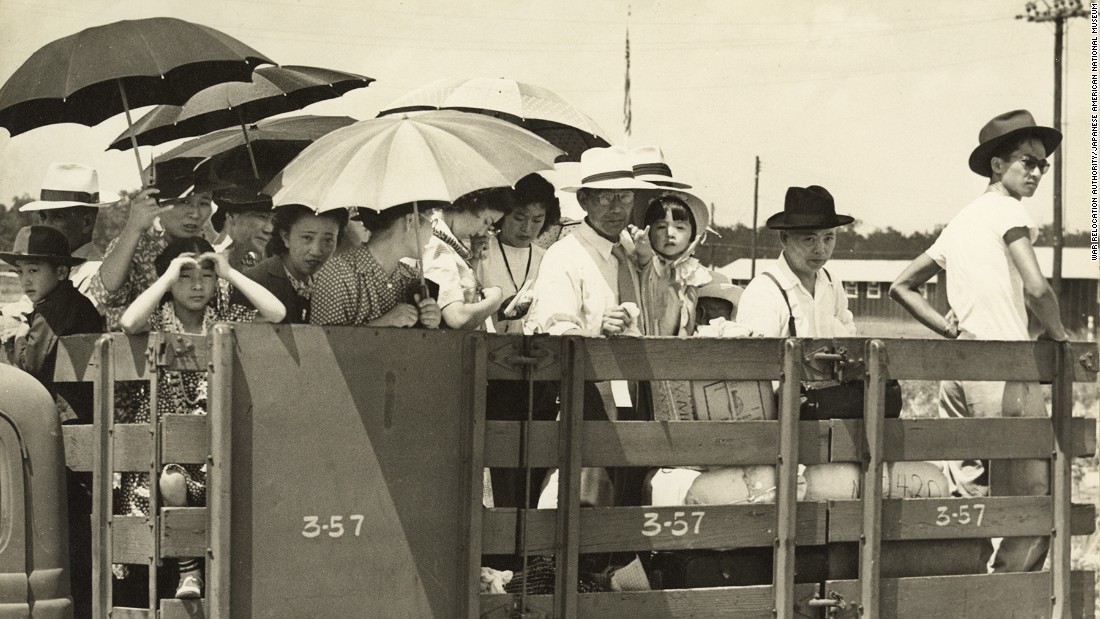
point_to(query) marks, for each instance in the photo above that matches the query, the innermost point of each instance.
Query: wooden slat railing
(572, 443)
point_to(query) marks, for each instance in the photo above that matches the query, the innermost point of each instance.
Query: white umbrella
(431, 156)
(384, 162)
(537, 109)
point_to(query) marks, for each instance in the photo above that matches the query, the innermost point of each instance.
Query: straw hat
(608, 168)
(67, 185)
(649, 165)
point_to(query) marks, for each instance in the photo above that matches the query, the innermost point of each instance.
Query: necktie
(627, 292)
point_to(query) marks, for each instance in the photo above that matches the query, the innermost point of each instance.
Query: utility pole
(755, 210)
(1058, 13)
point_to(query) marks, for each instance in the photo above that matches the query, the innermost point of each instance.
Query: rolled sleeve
(762, 308)
(440, 266)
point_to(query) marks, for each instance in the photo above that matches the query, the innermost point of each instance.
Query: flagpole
(627, 112)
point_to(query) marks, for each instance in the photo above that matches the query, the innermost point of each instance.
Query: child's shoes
(190, 587)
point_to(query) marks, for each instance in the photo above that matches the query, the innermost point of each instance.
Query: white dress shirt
(577, 282)
(823, 314)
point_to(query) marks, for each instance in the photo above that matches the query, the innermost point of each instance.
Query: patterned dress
(353, 289)
(141, 275)
(178, 392)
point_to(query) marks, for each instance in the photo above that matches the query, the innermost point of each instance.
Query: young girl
(184, 300)
(668, 229)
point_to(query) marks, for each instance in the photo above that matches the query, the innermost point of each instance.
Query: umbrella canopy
(90, 76)
(532, 107)
(274, 143)
(273, 90)
(432, 156)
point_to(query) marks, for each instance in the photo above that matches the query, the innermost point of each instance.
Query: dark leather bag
(843, 401)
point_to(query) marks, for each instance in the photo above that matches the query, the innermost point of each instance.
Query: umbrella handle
(130, 127)
(248, 145)
(419, 251)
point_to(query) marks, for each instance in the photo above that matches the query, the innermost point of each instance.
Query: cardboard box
(713, 400)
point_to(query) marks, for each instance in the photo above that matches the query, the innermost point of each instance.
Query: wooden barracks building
(867, 283)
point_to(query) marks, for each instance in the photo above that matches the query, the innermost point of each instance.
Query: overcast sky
(881, 103)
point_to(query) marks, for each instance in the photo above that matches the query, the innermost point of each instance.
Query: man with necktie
(588, 285)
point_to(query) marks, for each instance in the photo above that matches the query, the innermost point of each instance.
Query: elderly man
(994, 279)
(798, 297)
(587, 284)
(246, 218)
(69, 202)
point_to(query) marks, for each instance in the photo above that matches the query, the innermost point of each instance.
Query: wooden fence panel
(965, 597)
(655, 528)
(679, 358)
(719, 602)
(957, 439)
(632, 443)
(184, 439)
(183, 532)
(950, 518)
(132, 538)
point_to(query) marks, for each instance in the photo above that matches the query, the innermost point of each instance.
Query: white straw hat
(608, 168)
(67, 185)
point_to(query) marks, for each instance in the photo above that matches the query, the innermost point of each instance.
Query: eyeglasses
(605, 198)
(1030, 163)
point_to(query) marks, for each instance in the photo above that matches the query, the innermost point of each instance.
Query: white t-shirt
(983, 285)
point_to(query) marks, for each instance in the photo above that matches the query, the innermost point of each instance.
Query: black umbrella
(273, 90)
(253, 157)
(94, 74)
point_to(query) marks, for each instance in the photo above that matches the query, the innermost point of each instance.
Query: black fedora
(238, 199)
(40, 243)
(808, 208)
(1008, 126)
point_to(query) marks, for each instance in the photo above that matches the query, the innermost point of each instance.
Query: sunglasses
(605, 198)
(1030, 163)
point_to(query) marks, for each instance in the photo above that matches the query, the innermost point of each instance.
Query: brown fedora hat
(808, 208)
(1008, 126)
(40, 243)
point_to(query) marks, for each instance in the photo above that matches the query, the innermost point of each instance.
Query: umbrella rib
(68, 76)
(141, 35)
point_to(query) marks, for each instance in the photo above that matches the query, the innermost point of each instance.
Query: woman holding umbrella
(127, 268)
(371, 285)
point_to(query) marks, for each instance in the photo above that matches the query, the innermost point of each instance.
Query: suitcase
(693, 569)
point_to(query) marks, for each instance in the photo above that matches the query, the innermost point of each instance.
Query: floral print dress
(178, 392)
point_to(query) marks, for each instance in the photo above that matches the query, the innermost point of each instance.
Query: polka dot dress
(353, 289)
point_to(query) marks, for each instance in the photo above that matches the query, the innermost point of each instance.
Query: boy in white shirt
(994, 279)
